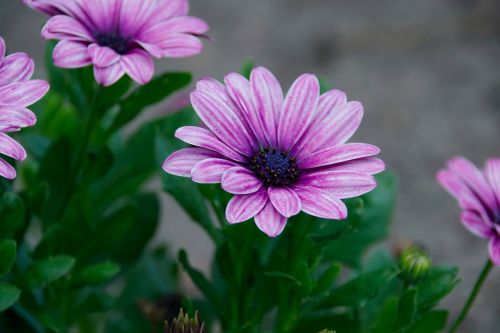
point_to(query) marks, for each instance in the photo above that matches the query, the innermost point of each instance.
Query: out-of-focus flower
(17, 92)
(414, 264)
(278, 155)
(183, 324)
(120, 36)
(478, 194)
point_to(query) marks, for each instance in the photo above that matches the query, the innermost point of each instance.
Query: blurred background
(427, 72)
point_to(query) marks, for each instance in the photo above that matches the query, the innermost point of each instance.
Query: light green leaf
(9, 295)
(43, 272)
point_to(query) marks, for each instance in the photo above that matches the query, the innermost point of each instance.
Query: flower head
(184, 324)
(120, 36)
(278, 155)
(17, 92)
(415, 264)
(478, 194)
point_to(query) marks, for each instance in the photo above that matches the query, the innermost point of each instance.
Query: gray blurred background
(427, 72)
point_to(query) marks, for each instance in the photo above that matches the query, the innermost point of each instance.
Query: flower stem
(470, 301)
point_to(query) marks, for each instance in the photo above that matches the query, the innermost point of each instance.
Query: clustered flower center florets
(116, 42)
(274, 167)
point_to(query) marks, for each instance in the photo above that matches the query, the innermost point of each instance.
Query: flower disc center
(118, 43)
(274, 167)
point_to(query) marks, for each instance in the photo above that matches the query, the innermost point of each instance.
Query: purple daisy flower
(478, 194)
(278, 155)
(120, 36)
(17, 92)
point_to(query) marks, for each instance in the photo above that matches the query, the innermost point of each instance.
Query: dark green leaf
(43, 272)
(12, 212)
(325, 282)
(284, 276)
(432, 322)
(386, 316)
(439, 283)
(247, 68)
(99, 273)
(8, 296)
(7, 256)
(407, 309)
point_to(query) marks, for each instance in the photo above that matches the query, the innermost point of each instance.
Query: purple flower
(120, 36)
(17, 92)
(478, 194)
(278, 155)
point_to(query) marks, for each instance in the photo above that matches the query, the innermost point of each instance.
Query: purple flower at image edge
(120, 37)
(278, 155)
(478, 195)
(17, 92)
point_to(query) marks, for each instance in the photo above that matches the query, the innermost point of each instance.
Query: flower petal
(71, 54)
(494, 250)
(492, 173)
(139, 66)
(333, 155)
(181, 162)
(239, 180)
(210, 170)
(13, 119)
(180, 24)
(179, 45)
(267, 97)
(339, 184)
(16, 67)
(24, 93)
(475, 224)
(107, 76)
(6, 170)
(369, 165)
(2, 49)
(270, 221)
(298, 110)
(65, 27)
(222, 121)
(102, 56)
(11, 148)
(243, 207)
(202, 137)
(285, 200)
(321, 203)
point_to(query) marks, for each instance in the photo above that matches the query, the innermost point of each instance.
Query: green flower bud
(414, 264)
(327, 331)
(183, 324)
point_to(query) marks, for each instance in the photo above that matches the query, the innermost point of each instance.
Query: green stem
(470, 301)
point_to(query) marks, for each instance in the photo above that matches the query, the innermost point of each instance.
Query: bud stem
(470, 301)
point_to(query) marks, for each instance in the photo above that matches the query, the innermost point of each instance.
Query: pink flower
(17, 92)
(120, 36)
(478, 194)
(278, 155)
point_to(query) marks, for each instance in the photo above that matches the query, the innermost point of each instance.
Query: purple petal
(222, 121)
(243, 207)
(270, 221)
(475, 224)
(492, 173)
(298, 110)
(267, 97)
(210, 170)
(13, 119)
(51, 7)
(70, 54)
(6, 170)
(182, 161)
(202, 137)
(494, 250)
(239, 180)
(11, 148)
(24, 93)
(239, 90)
(138, 65)
(179, 45)
(285, 200)
(169, 9)
(134, 15)
(321, 203)
(369, 165)
(333, 155)
(2, 49)
(108, 75)
(183, 24)
(103, 13)
(341, 185)
(102, 56)
(16, 67)
(65, 27)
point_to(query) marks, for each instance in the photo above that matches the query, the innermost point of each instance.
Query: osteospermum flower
(478, 194)
(17, 92)
(120, 36)
(278, 155)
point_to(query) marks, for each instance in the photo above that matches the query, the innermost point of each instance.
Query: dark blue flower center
(274, 167)
(118, 43)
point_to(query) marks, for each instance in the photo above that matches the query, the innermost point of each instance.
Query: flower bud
(183, 324)
(414, 264)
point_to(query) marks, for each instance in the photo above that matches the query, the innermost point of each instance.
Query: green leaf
(12, 212)
(327, 279)
(9, 295)
(284, 276)
(99, 273)
(43, 272)
(149, 94)
(432, 322)
(386, 317)
(439, 283)
(247, 68)
(7, 256)
(407, 309)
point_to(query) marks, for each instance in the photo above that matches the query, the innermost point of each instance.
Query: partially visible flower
(120, 36)
(278, 155)
(183, 324)
(414, 264)
(17, 92)
(478, 194)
